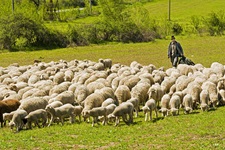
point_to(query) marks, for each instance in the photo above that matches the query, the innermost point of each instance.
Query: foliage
(216, 23)
(177, 28)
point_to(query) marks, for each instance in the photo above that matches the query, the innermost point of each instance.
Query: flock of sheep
(48, 93)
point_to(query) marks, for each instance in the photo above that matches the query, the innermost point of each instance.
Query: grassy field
(194, 131)
(204, 50)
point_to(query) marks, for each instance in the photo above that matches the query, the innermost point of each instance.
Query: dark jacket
(178, 52)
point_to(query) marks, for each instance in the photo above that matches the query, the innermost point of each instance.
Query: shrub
(177, 28)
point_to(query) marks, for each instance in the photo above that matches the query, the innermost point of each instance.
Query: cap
(172, 37)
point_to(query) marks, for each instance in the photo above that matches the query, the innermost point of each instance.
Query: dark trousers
(174, 60)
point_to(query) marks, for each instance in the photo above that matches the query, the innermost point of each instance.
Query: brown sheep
(7, 106)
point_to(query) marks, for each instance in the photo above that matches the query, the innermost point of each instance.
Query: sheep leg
(156, 113)
(117, 120)
(93, 121)
(124, 117)
(52, 118)
(104, 120)
(62, 120)
(72, 119)
(37, 124)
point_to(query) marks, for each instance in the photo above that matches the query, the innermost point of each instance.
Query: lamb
(8, 117)
(33, 103)
(187, 103)
(77, 112)
(55, 104)
(61, 112)
(95, 113)
(150, 106)
(155, 92)
(17, 119)
(7, 106)
(36, 116)
(107, 102)
(109, 109)
(135, 102)
(165, 105)
(122, 110)
(204, 99)
(175, 105)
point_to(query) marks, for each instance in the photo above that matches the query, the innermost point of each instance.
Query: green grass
(199, 130)
(204, 50)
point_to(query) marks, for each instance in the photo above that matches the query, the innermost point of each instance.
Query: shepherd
(175, 51)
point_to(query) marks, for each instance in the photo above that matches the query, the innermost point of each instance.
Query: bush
(19, 31)
(216, 23)
(177, 28)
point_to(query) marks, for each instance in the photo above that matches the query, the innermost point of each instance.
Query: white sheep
(58, 77)
(150, 106)
(33, 103)
(95, 113)
(17, 120)
(8, 117)
(140, 91)
(187, 103)
(61, 112)
(155, 92)
(135, 102)
(175, 105)
(68, 75)
(106, 62)
(167, 83)
(122, 93)
(221, 97)
(64, 97)
(204, 99)
(36, 116)
(212, 90)
(124, 109)
(165, 105)
(107, 102)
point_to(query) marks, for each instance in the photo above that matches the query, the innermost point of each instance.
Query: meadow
(198, 130)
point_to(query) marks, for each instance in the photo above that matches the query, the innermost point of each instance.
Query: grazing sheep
(221, 97)
(109, 109)
(165, 105)
(55, 104)
(95, 113)
(8, 117)
(61, 112)
(65, 97)
(36, 116)
(204, 99)
(33, 103)
(140, 91)
(58, 78)
(155, 92)
(135, 102)
(150, 106)
(7, 106)
(175, 105)
(108, 101)
(122, 110)
(167, 83)
(212, 90)
(17, 119)
(122, 93)
(187, 103)
(77, 112)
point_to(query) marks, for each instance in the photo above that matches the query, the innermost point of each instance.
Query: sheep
(109, 109)
(167, 83)
(140, 91)
(107, 92)
(67, 110)
(187, 104)
(185, 69)
(58, 77)
(218, 69)
(122, 110)
(36, 116)
(122, 93)
(204, 99)
(77, 112)
(60, 88)
(68, 75)
(8, 117)
(212, 90)
(221, 97)
(64, 97)
(107, 102)
(95, 113)
(7, 106)
(17, 119)
(55, 104)
(155, 92)
(175, 105)
(33, 103)
(150, 106)
(135, 102)
(106, 62)
(165, 105)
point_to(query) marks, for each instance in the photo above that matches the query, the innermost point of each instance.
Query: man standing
(174, 51)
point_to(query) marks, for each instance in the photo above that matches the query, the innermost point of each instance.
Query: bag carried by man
(185, 60)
